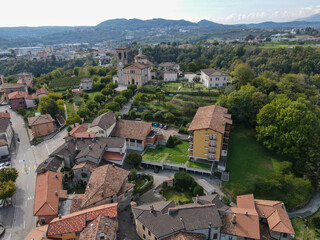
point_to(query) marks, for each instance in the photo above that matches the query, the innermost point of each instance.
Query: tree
(198, 190)
(132, 87)
(133, 175)
(84, 112)
(127, 93)
(120, 99)
(112, 85)
(8, 174)
(196, 79)
(99, 98)
(287, 126)
(147, 115)
(7, 190)
(243, 74)
(107, 91)
(113, 106)
(73, 119)
(169, 117)
(158, 116)
(92, 105)
(134, 159)
(48, 105)
(192, 67)
(170, 142)
(184, 180)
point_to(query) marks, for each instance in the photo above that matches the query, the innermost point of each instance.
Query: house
(17, 99)
(71, 226)
(137, 73)
(37, 233)
(103, 124)
(6, 135)
(165, 220)
(107, 184)
(257, 219)
(13, 87)
(48, 194)
(169, 66)
(213, 78)
(80, 131)
(26, 79)
(30, 100)
(41, 125)
(53, 164)
(82, 172)
(209, 135)
(137, 134)
(41, 92)
(170, 76)
(86, 84)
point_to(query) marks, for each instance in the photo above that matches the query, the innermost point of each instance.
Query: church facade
(139, 72)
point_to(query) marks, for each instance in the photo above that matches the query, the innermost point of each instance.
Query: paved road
(18, 218)
(308, 210)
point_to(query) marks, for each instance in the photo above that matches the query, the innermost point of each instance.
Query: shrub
(184, 180)
(133, 175)
(183, 130)
(146, 186)
(113, 106)
(217, 175)
(176, 140)
(132, 114)
(158, 116)
(132, 87)
(147, 116)
(316, 222)
(134, 159)
(198, 190)
(69, 128)
(21, 111)
(169, 117)
(170, 142)
(226, 200)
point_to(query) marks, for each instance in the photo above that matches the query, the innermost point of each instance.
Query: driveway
(126, 108)
(312, 206)
(18, 218)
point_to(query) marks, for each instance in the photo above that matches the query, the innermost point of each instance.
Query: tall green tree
(48, 105)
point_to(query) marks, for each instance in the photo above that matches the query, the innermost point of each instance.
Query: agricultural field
(59, 84)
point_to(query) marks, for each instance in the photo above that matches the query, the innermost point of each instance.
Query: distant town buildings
(86, 84)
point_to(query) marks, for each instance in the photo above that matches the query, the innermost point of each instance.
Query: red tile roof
(77, 221)
(131, 129)
(187, 236)
(41, 91)
(48, 192)
(112, 156)
(5, 115)
(31, 97)
(89, 165)
(37, 233)
(17, 95)
(76, 131)
(213, 72)
(276, 215)
(210, 117)
(42, 119)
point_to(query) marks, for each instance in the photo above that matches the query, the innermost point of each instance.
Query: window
(128, 82)
(101, 131)
(47, 126)
(210, 85)
(149, 233)
(42, 221)
(217, 85)
(285, 235)
(215, 236)
(143, 227)
(224, 78)
(132, 71)
(144, 236)
(78, 233)
(217, 79)
(84, 175)
(139, 141)
(210, 79)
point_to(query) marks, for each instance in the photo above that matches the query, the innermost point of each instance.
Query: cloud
(261, 16)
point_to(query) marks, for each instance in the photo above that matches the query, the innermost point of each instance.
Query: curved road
(312, 206)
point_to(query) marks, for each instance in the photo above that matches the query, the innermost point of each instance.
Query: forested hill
(124, 30)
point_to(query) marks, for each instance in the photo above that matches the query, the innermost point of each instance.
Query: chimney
(56, 193)
(113, 165)
(119, 118)
(234, 219)
(247, 213)
(133, 204)
(90, 147)
(151, 208)
(59, 215)
(42, 170)
(197, 198)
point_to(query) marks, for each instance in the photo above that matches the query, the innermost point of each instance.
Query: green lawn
(176, 155)
(170, 195)
(248, 159)
(199, 165)
(92, 94)
(301, 231)
(173, 87)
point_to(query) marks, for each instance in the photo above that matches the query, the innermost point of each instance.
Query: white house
(103, 124)
(213, 78)
(6, 134)
(86, 84)
(169, 66)
(170, 76)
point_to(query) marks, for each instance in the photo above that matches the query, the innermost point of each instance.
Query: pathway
(126, 108)
(312, 206)
(65, 111)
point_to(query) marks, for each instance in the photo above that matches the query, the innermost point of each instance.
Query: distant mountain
(206, 23)
(312, 18)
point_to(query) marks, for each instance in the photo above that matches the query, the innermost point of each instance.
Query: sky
(92, 12)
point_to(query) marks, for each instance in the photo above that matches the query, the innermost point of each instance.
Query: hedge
(146, 186)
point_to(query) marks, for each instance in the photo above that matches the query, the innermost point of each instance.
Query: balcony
(227, 129)
(212, 138)
(212, 144)
(226, 141)
(227, 134)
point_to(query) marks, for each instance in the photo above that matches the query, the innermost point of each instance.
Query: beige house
(213, 78)
(103, 124)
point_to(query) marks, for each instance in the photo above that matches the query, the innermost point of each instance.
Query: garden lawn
(199, 165)
(173, 87)
(176, 155)
(92, 94)
(247, 160)
(170, 195)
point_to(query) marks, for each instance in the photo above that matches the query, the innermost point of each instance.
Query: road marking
(29, 168)
(27, 186)
(21, 170)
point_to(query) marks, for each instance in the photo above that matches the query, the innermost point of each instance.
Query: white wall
(213, 81)
(29, 103)
(169, 77)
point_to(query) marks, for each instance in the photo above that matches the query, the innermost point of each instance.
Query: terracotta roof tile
(89, 165)
(12, 85)
(210, 117)
(41, 91)
(17, 95)
(77, 221)
(36, 120)
(187, 236)
(78, 129)
(131, 129)
(48, 192)
(37, 233)
(112, 156)
(31, 97)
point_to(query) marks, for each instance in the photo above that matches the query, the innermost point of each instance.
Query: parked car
(161, 126)
(5, 165)
(156, 125)
(165, 127)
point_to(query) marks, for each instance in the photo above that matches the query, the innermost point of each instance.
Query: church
(139, 72)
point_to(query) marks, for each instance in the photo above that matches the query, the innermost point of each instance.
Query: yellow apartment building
(209, 135)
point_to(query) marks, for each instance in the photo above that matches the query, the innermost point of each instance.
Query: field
(171, 194)
(302, 232)
(281, 45)
(248, 159)
(59, 84)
